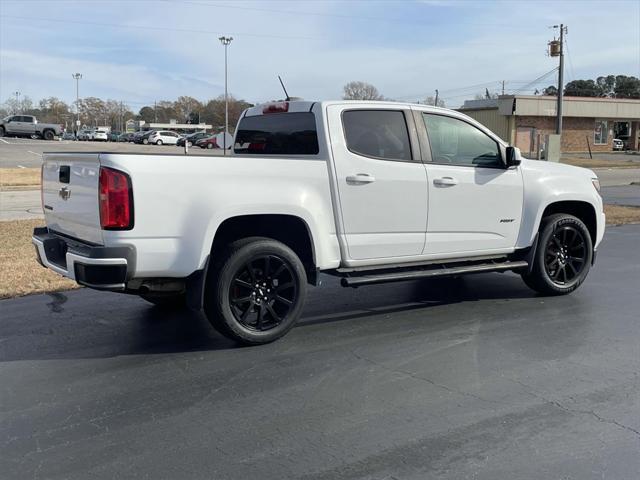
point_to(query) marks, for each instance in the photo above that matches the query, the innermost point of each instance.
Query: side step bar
(438, 272)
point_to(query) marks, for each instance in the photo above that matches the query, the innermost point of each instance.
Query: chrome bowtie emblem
(64, 193)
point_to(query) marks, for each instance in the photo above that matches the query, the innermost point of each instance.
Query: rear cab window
(380, 134)
(279, 133)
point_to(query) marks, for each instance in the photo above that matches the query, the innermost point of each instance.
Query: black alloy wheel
(262, 292)
(255, 290)
(562, 257)
(565, 255)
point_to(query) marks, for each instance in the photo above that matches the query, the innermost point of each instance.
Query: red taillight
(116, 200)
(277, 107)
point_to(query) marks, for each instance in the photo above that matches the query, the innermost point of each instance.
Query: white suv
(164, 137)
(100, 136)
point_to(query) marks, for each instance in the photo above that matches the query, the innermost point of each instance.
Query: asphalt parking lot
(25, 152)
(461, 378)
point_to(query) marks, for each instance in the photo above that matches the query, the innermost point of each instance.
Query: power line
(573, 76)
(537, 80)
(147, 27)
(336, 15)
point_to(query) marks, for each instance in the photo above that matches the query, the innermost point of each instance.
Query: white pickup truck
(371, 192)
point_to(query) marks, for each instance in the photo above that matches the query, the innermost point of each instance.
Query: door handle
(445, 181)
(360, 179)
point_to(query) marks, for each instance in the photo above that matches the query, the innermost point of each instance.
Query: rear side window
(278, 134)
(377, 133)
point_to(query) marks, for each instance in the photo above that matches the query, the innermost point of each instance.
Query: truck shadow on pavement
(89, 324)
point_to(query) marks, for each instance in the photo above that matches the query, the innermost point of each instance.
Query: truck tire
(255, 292)
(165, 300)
(2, 132)
(48, 135)
(563, 256)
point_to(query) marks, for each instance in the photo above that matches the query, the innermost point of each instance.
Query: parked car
(100, 135)
(113, 136)
(28, 126)
(143, 137)
(85, 134)
(126, 137)
(242, 237)
(618, 144)
(192, 138)
(207, 142)
(164, 137)
(68, 136)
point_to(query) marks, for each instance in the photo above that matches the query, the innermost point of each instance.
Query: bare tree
(361, 91)
(432, 101)
(187, 108)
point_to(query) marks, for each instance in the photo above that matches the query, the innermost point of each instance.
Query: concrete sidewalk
(20, 205)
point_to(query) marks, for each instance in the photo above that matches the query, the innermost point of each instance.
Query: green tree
(581, 88)
(626, 87)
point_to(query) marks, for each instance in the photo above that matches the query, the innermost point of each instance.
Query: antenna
(283, 88)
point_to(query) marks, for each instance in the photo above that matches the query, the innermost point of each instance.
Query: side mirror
(511, 160)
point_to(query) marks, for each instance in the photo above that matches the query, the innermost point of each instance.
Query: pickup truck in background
(371, 192)
(28, 126)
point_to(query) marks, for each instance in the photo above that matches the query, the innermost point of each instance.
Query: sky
(140, 51)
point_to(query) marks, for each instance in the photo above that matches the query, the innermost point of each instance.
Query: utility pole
(155, 111)
(435, 104)
(502, 87)
(556, 49)
(225, 41)
(18, 109)
(77, 77)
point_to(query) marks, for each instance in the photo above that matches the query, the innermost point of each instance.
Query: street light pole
(17, 94)
(77, 77)
(225, 41)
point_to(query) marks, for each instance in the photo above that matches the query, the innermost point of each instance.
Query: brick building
(525, 120)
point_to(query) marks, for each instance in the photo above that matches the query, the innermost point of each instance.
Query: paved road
(25, 152)
(474, 378)
(610, 177)
(622, 195)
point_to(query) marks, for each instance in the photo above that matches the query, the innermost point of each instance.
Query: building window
(601, 133)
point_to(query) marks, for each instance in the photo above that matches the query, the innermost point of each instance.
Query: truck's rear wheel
(48, 135)
(563, 256)
(256, 293)
(1, 131)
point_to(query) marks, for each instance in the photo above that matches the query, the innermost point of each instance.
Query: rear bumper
(103, 268)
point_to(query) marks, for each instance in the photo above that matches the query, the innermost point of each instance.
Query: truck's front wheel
(563, 256)
(255, 294)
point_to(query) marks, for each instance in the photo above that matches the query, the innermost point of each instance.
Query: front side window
(377, 133)
(459, 143)
(600, 133)
(277, 134)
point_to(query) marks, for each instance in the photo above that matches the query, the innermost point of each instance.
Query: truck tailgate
(70, 194)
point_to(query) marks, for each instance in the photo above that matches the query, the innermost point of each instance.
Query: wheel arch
(582, 210)
(289, 229)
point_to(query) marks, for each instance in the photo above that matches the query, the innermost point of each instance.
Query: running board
(437, 272)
